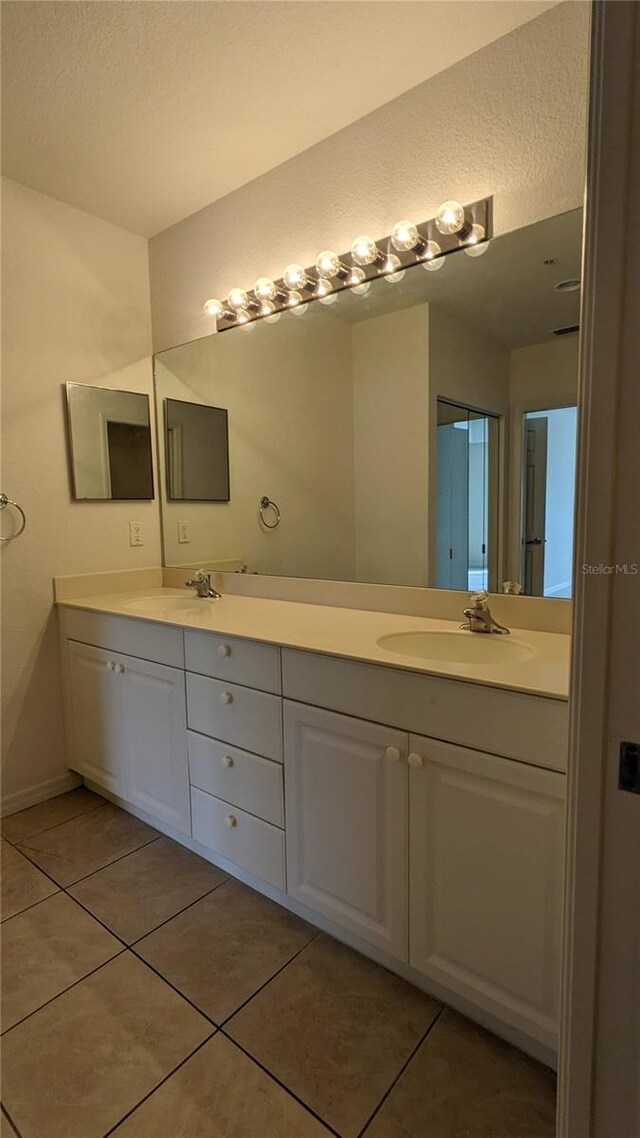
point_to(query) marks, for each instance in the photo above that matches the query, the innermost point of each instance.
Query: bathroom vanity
(411, 806)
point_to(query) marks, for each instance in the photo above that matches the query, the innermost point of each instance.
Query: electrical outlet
(184, 531)
(135, 533)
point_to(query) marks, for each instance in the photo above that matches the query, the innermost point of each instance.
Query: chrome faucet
(201, 582)
(478, 614)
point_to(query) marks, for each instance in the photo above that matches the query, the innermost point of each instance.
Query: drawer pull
(230, 821)
(109, 665)
(392, 754)
(224, 650)
(119, 668)
(415, 760)
(226, 761)
(226, 697)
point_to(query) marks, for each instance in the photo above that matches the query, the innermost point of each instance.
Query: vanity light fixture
(455, 226)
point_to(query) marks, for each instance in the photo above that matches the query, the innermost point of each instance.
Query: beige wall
(288, 392)
(492, 124)
(391, 416)
(75, 307)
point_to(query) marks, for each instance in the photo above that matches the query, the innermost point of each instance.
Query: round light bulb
(323, 288)
(475, 244)
(364, 251)
(300, 309)
(355, 276)
(477, 250)
(433, 265)
(475, 234)
(405, 236)
(294, 277)
(265, 288)
(330, 298)
(431, 250)
(391, 268)
(242, 317)
(328, 264)
(450, 218)
(362, 289)
(293, 300)
(273, 319)
(214, 307)
(238, 299)
(267, 308)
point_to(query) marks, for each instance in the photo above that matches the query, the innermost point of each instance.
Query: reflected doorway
(548, 501)
(467, 499)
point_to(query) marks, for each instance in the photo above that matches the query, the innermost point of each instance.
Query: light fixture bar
(455, 227)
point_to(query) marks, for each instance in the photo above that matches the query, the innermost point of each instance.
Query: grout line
(9, 1118)
(268, 981)
(170, 984)
(62, 992)
(47, 829)
(279, 1082)
(179, 912)
(158, 1085)
(77, 880)
(401, 1072)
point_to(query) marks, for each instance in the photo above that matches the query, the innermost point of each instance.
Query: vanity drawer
(133, 636)
(250, 719)
(531, 728)
(245, 780)
(247, 841)
(227, 658)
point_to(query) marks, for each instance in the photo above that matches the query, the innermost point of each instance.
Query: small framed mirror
(197, 450)
(110, 444)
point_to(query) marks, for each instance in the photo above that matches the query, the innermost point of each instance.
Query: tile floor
(148, 995)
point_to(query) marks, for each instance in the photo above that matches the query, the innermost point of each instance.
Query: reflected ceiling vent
(566, 331)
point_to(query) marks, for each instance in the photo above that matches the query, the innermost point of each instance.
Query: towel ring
(267, 504)
(4, 501)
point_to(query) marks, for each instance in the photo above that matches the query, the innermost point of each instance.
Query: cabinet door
(94, 708)
(346, 808)
(486, 871)
(155, 740)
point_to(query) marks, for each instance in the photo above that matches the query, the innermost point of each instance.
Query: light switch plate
(184, 531)
(135, 533)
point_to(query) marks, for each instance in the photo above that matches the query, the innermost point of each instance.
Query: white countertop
(351, 634)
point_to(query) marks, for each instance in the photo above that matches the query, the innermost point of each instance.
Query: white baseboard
(20, 799)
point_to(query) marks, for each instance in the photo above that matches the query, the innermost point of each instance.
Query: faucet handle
(478, 599)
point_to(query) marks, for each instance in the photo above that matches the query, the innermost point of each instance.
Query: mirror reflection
(110, 443)
(420, 433)
(197, 452)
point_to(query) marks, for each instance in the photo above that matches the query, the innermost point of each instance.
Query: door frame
(596, 993)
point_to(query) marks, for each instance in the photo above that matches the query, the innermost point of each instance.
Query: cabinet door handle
(119, 668)
(224, 650)
(226, 761)
(110, 665)
(230, 821)
(226, 697)
(416, 760)
(392, 754)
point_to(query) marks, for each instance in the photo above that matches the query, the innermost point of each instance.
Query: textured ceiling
(144, 112)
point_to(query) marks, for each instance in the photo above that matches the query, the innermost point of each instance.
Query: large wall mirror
(110, 443)
(423, 433)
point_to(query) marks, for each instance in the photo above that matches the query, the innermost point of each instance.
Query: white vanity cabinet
(127, 723)
(486, 874)
(346, 800)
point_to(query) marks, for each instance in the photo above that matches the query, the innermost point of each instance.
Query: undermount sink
(169, 604)
(458, 647)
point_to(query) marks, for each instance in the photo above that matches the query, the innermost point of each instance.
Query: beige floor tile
(35, 819)
(45, 950)
(6, 1129)
(22, 884)
(78, 847)
(335, 1028)
(465, 1082)
(144, 889)
(219, 1093)
(221, 950)
(77, 1066)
